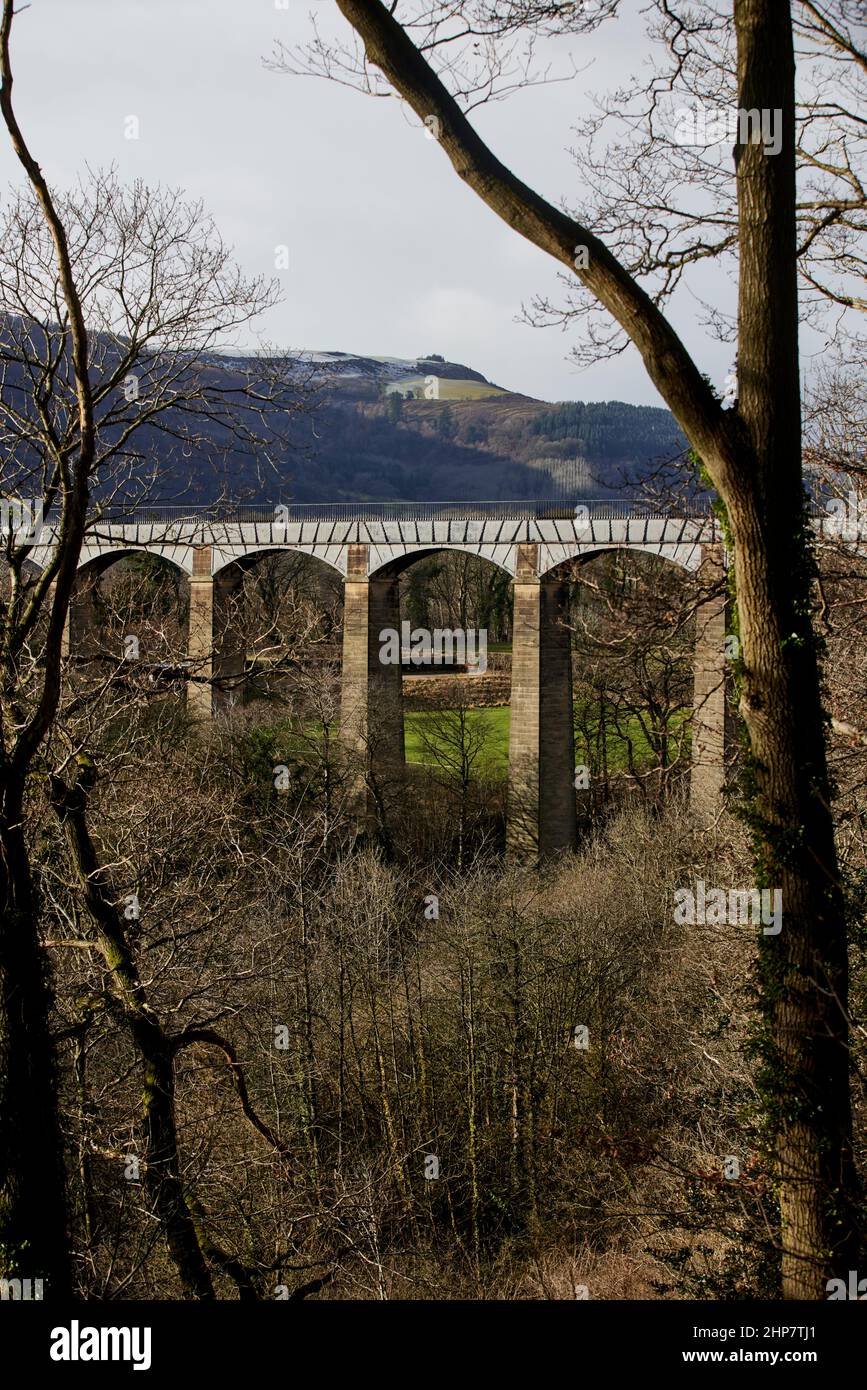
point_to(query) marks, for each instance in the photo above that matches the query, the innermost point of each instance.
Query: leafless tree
(752, 456)
(111, 299)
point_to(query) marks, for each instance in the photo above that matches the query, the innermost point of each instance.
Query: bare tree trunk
(33, 1218)
(155, 1047)
(33, 1215)
(468, 1010)
(753, 457)
(804, 969)
(310, 1088)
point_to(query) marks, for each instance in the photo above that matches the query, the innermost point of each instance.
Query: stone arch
(102, 560)
(249, 638)
(332, 556)
(703, 564)
(389, 573)
(686, 555)
(85, 639)
(372, 709)
(103, 557)
(389, 561)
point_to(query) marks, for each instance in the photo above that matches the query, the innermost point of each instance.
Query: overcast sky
(389, 253)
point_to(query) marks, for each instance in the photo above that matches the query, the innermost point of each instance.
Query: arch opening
(397, 564)
(278, 622)
(632, 618)
(129, 613)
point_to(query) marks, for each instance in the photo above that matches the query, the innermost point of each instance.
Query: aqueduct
(369, 547)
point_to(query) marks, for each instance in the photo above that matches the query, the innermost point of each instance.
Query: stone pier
(216, 651)
(371, 702)
(81, 632)
(541, 813)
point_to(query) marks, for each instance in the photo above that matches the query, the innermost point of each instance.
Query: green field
(267, 745)
(453, 389)
(450, 390)
(494, 723)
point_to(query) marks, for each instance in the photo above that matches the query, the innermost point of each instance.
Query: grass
(492, 723)
(495, 724)
(453, 389)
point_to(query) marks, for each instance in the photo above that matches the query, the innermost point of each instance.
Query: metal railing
(598, 508)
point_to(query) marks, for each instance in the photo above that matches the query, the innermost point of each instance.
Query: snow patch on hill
(350, 364)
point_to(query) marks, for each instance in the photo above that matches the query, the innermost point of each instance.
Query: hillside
(428, 429)
(371, 429)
